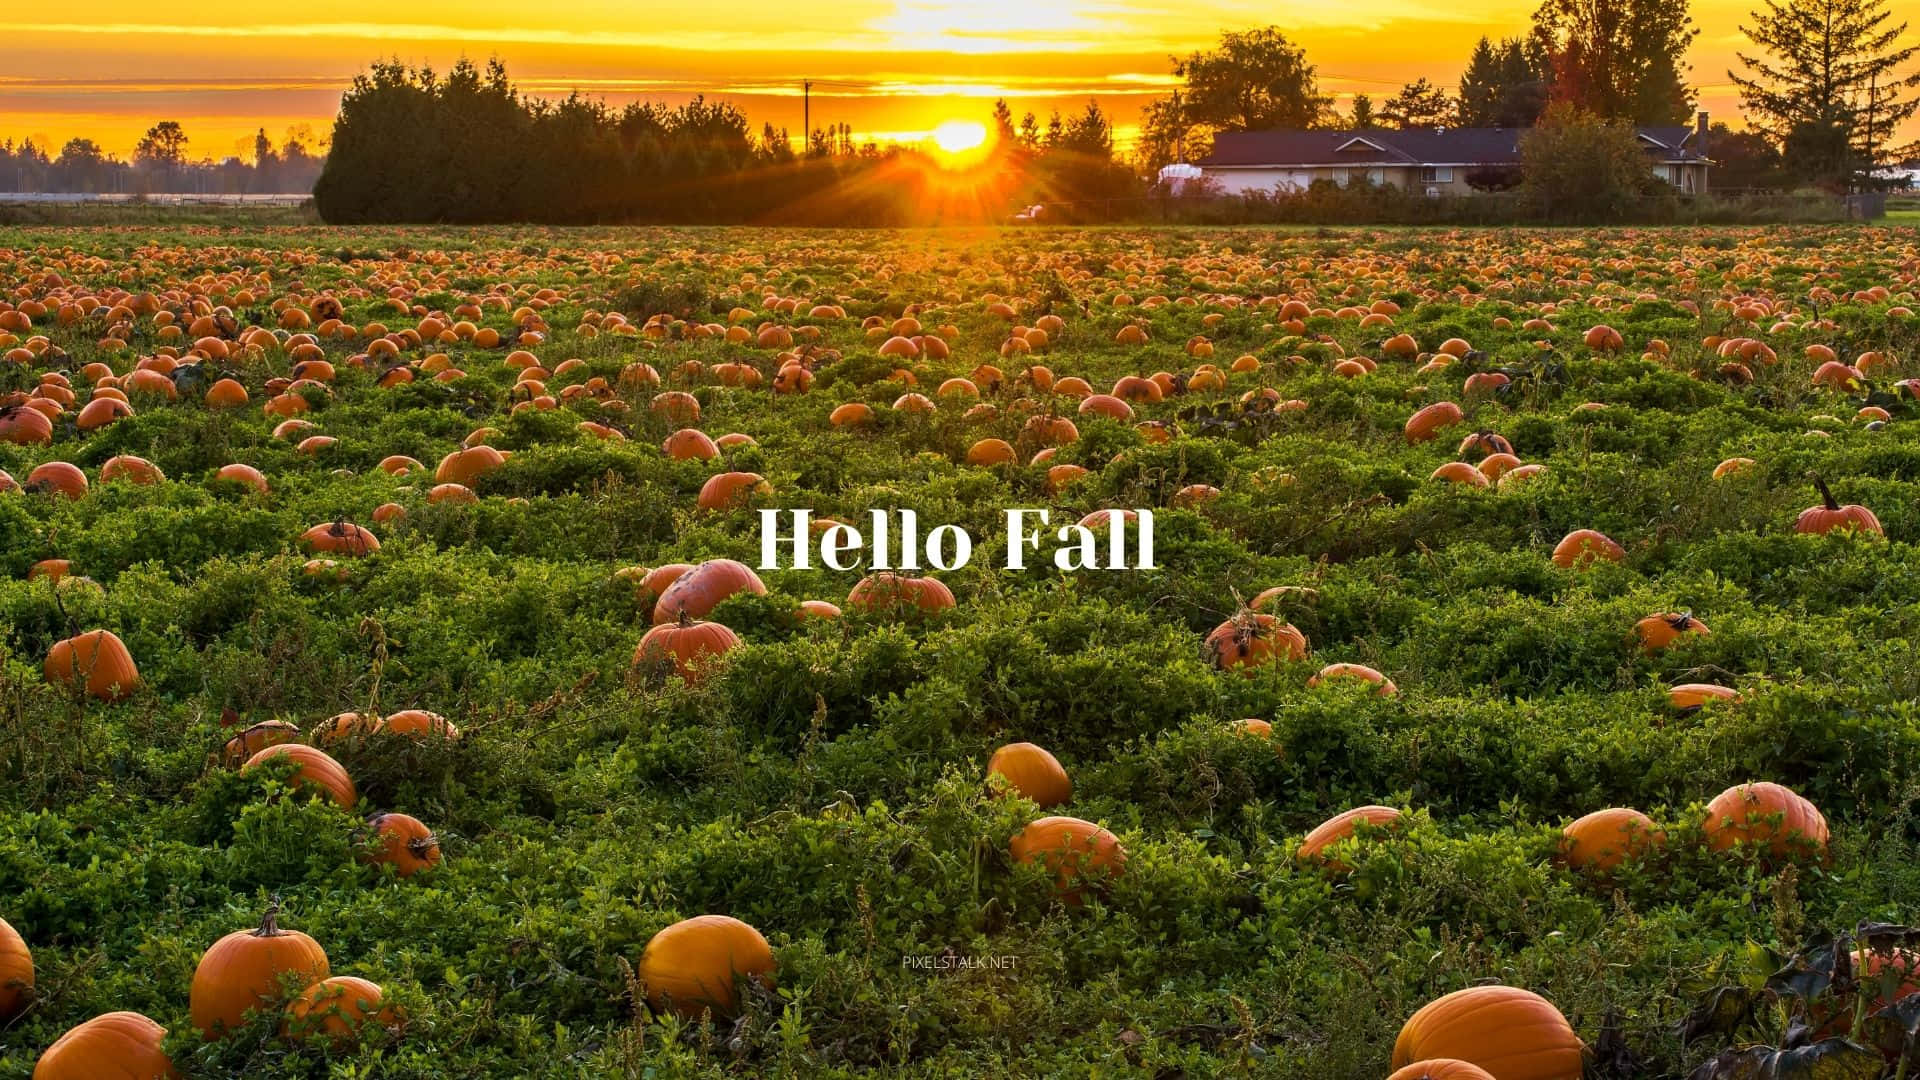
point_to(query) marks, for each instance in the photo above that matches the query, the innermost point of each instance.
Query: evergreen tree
(1362, 117)
(1830, 85)
(1505, 85)
(1419, 104)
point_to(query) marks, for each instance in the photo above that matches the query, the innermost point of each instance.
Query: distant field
(1383, 440)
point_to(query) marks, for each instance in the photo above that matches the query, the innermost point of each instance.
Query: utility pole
(1873, 92)
(806, 116)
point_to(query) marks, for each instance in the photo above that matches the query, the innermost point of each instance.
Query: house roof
(1434, 146)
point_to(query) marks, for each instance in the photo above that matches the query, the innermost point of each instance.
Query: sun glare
(957, 137)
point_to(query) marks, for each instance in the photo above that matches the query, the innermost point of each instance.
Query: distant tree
(1505, 85)
(1745, 159)
(1829, 86)
(1619, 59)
(1029, 132)
(1419, 104)
(163, 146)
(1090, 134)
(1164, 133)
(82, 166)
(1253, 80)
(1361, 117)
(1003, 130)
(1078, 165)
(1576, 164)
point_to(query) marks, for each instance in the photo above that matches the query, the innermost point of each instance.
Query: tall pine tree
(1505, 85)
(1830, 88)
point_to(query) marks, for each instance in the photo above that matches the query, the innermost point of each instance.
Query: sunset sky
(895, 69)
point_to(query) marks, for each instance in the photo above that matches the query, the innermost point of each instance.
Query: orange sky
(904, 65)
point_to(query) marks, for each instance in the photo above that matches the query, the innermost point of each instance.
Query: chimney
(1700, 133)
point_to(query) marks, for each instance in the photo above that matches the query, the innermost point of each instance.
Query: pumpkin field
(1525, 687)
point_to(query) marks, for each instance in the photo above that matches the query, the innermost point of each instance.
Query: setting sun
(958, 137)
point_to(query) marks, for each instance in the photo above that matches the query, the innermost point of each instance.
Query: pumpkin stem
(270, 919)
(1681, 621)
(420, 846)
(685, 621)
(1825, 494)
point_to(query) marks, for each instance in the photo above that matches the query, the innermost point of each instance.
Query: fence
(1391, 206)
(74, 198)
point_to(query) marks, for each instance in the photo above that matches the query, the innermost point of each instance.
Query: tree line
(160, 163)
(1824, 88)
(413, 145)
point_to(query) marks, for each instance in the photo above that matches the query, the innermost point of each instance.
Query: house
(1438, 161)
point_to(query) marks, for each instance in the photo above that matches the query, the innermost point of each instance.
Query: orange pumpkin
(245, 475)
(1382, 685)
(226, 394)
(690, 444)
(887, 592)
(16, 973)
(1769, 815)
(400, 465)
(51, 569)
(134, 470)
(1078, 853)
(1690, 696)
(405, 843)
(468, 465)
(1251, 639)
(99, 658)
(1106, 405)
(100, 412)
(686, 648)
(1252, 726)
(340, 538)
(1603, 338)
(255, 739)
(1340, 828)
(696, 592)
(113, 1046)
(337, 1008)
(23, 425)
(1460, 472)
(1430, 421)
(990, 452)
(654, 582)
(1830, 515)
(693, 966)
(1602, 840)
(1511, 1033)
(1032, 772)
(317, 771)
(419, 723)
(346, 725)
(732, 489)
(1662, 629)
(1441, 1069)
(243, 971)
(1582, 547)
(818, 609)
(57, 478)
